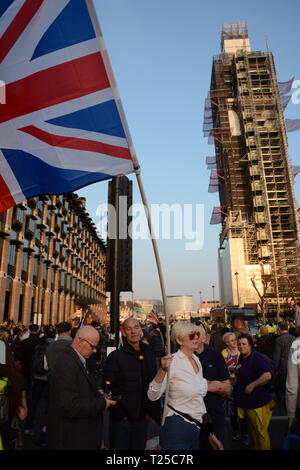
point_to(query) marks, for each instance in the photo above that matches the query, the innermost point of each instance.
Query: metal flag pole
(156, 253)
(161, 279)
(112, 81)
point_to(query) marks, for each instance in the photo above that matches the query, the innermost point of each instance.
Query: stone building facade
(52, 261)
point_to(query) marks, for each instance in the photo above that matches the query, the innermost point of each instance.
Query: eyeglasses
(90, 344)
(195, 333)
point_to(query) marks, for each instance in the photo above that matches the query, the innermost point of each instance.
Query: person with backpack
(157, 344)
(54, 350)
(40, 378)
(23, 354)
(251, 391)
(282, 348)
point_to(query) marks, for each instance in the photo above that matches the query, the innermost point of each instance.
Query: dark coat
(156, 343)
(24, 353)
(281, 353)
(130, 374)
(266, 345)
(216, 341)
(55, 349)
(75, 406)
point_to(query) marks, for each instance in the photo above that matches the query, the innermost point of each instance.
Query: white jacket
(293, 379)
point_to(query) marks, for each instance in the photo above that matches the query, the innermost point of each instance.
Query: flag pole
(161, 278)
(156, 253)
(109, 71)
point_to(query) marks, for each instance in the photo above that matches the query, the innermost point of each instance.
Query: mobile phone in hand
(116, 398)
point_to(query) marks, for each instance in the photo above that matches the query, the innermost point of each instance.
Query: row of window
(85, 272)
(55, 221)
(59, 229)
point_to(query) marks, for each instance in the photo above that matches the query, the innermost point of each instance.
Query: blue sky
(161, 53)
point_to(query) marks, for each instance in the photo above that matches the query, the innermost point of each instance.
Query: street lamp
(200, 292)
(213, 288)
(237, 287)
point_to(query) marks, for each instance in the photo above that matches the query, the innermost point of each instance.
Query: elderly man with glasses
(75, 403)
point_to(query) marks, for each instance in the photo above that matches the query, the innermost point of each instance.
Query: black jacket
(24, 353)
(266, 345)
(156, 343)
(55, 349)
(281, 353)
(75, 406)
(130, 374)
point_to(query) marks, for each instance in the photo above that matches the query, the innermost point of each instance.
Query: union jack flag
(62, 126)
(153, 316)
(84, 319)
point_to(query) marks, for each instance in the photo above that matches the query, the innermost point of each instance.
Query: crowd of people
(61, 376)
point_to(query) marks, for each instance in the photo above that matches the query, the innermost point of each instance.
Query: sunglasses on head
(195, 333)
(200, 323)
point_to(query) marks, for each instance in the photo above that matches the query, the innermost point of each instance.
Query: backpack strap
(286, 443)
(293, 436)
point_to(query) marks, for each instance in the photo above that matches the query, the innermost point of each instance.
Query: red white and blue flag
(285, 87)
(153, 317)
(84, 319)
(62, 126)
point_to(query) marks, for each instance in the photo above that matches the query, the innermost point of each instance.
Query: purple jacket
(248, 370)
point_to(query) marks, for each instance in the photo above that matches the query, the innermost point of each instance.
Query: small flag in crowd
(153, 317)
(84, 319)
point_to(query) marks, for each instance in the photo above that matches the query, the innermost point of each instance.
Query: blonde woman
(231, 353)
(185, 410)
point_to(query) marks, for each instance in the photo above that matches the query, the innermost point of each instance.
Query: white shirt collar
(182, 355)
(82, 359)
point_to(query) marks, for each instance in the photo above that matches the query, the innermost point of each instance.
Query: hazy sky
(161, 53)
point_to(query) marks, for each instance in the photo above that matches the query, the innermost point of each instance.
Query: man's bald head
(264, 330)
(132, 331)
(87, 332)
(86, 341)
(130, 322)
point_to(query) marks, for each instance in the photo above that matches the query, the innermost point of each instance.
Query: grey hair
(182, 329)
(2, 352)
(226, 335)
(130, 318)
